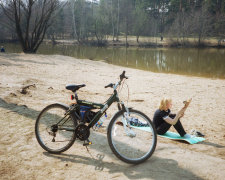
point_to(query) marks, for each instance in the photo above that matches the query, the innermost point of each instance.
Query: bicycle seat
(74, 87)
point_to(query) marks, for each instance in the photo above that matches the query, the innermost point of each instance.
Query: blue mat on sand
(174, 136)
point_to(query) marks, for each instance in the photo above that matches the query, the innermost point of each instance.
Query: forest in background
(98, 22)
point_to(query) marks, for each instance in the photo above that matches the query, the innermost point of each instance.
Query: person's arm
(174, 120)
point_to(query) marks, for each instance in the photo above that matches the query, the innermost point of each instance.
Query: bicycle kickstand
(87, 143)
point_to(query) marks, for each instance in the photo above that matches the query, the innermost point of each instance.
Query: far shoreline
(144, 42)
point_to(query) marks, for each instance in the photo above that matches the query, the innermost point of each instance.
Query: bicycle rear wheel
(54, 131)
(132, 138)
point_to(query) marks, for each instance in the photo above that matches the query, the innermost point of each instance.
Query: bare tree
(182, 27)
(6, 28)
(220, 28)
(102, 23)
(202, 21)
(74, 21)
(31, 19)
(118, 20)
(112, 19)
(127, 16)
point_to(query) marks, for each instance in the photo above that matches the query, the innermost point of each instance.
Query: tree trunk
(126, 32)
(112, 19)
(21, 13)
(118, 20)
(137, 38)
(74, 21)
(199, 39)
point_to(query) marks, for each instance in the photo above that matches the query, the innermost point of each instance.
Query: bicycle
(130, 133)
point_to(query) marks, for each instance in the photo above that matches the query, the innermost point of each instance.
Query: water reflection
(208, 62)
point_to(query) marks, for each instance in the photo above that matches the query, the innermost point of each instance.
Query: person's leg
(178, 126)
(163, 128)
(172, 116)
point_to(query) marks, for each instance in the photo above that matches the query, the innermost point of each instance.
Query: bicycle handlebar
(122, 76)
(109, 85)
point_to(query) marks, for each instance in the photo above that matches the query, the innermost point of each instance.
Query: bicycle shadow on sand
(155, 167)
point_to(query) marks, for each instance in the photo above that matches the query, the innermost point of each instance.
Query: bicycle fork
(126, 121)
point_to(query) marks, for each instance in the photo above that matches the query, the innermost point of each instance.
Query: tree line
(96, 21)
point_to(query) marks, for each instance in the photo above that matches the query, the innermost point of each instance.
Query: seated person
(2, 49)
(163, 119)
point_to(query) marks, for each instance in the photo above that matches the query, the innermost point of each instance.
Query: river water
(207, 62)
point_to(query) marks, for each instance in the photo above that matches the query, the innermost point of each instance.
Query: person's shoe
(197, 133)
(187, 136)
(137, 123)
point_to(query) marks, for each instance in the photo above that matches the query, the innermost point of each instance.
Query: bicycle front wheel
(54, 130)
(132, 137)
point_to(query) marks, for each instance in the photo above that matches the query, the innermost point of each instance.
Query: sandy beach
(21, 157)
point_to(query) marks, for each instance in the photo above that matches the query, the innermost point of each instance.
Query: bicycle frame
(103, 107)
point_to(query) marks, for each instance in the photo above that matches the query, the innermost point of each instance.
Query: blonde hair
(164, 102)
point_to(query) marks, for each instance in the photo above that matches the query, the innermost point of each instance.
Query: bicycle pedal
(87, 143)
